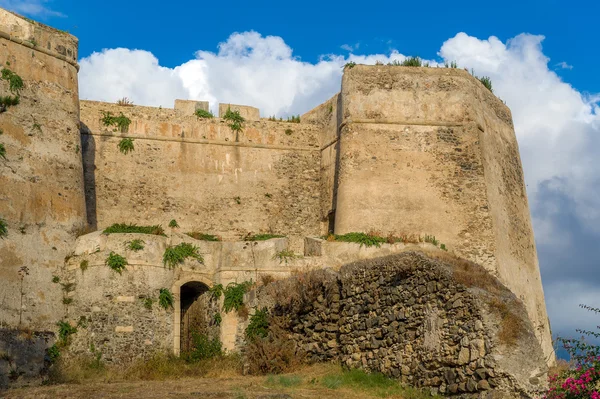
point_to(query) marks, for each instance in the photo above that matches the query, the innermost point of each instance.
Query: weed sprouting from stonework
(368, 240)
(133, 228)
(148, 302)
(411, 62)
(176, 255)
(234, 295)
(65, 330)
(262, 237)
(350, 65)
(3, 228)
(289, 131)
(200, 113)
(126, 146)
(285, 255)
(443, 247)
(122, 122)
(216, 291)
(294, 119)
(431, 240)
(136, 245)
(53, 353)
(125, 102)
(2, 151)
(217, 319)
(15, 83)
(165, 298)
(236, 121)
(259, 324)
(237, 200)
(116, 262)
(67, 301)
(173, 224)
(268, 195)
(55, 279)
(487, 82)
(203, 236)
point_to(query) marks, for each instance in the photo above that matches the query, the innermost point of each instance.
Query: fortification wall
(201, 173)
(41, 179)
(432, 151)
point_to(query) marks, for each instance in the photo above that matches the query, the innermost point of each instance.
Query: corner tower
(41, 177)
(433, 151)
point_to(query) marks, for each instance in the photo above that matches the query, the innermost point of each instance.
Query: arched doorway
(197, 314)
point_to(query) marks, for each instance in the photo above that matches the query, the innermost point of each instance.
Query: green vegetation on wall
(203, 236)
(236, 121)
(259, 324)
(176, 255)
(126, 146)
(3, 228)
(136, 245)
(116, 262)
(133, 228)
(200, 113)
(234, 295)
(121, 122)
(165, 298)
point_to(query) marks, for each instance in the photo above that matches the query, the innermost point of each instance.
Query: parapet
(40, 37)
(249, 113)
(189, 107)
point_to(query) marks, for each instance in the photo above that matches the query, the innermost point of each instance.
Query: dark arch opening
(194, 313)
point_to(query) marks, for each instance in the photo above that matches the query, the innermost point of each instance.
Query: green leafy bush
(234, 295)
(204, 348)
(132, 228)
(122, 122)
(173, 224)
(53, 353)
(136, 245)
(236, 121)
(165, 298)
(350, 65)
(116, 262)
(126, 146)
(216, 291)
(3, 228)
(217, 319)
(174, 256)
(203, 236)
(200, 113)
(259, 324)
(9, 101)
(262, 237)
(289, 131)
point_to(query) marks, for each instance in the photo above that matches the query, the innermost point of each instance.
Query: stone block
(249, 113)
(125, 299)
(189, 107)
(124, 329)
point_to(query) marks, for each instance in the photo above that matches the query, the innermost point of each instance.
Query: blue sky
(286, 58)
(174, 31)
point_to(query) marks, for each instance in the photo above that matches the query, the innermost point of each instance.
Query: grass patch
(294, 119)
(165, 298)
(125, 102)
(121, 122)
(200, 113)
(176, 255)
(203, 348)
(173, 224)
(368, 240)
(487, 82)
(262, 237)
(287, 381)
(3, 228)
(511, 325)
(136, 245)
(126, 146)
(116, 228)
(116, 262)
(203, 236)
(9, 101)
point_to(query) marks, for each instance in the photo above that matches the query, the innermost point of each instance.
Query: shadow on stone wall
(23, 357)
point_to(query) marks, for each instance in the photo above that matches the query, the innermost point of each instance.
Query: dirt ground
(234, 388)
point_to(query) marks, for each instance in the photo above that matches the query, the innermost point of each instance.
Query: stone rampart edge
(25, 43)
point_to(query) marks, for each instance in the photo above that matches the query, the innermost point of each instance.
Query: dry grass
(559, 368)
(266, 279)
(511, 325)
(160, 367)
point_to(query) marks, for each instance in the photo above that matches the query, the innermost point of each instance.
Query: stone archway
(190, 295)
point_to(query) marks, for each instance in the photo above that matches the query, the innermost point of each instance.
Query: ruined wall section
(201, 173)
(432, 151)
(41, 179)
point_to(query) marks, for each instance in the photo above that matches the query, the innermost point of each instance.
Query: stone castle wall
(41, 179)
(432, 151)
(201, 173)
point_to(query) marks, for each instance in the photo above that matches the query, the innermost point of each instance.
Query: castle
(399, 150)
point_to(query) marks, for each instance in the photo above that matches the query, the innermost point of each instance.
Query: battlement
(38, 37)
